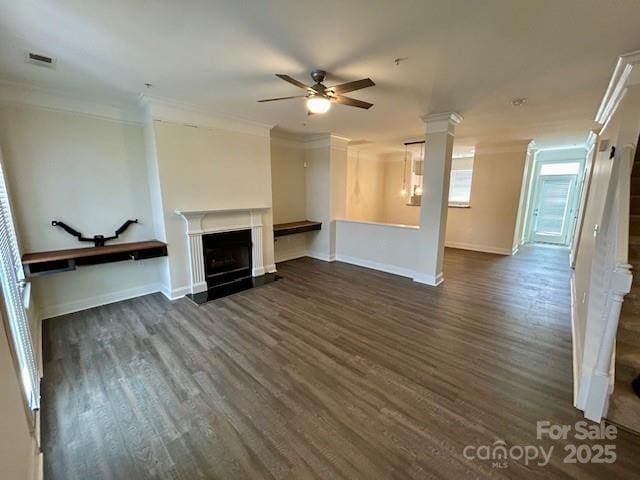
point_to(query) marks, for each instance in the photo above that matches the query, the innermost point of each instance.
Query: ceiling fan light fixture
(317, 104)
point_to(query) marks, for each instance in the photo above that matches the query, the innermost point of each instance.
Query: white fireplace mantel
(203, 222)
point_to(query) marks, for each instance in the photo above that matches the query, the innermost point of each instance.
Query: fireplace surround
(245, 222)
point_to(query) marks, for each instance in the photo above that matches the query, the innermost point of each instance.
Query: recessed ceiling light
(518, 102)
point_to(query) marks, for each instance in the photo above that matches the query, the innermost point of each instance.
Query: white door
(552, 214)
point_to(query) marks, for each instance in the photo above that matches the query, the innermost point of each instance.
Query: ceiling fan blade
(351, 86)
(352, 102)
(280, 98)
(292, 81)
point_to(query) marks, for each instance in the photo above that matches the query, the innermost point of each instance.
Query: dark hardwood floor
(335, 371)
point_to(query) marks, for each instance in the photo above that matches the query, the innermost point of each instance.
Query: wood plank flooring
(335, 371)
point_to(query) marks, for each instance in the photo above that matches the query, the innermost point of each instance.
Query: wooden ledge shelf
(42, 263)
(282, 229)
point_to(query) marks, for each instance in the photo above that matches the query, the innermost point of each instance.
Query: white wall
(326, 191)
(288, 185)
(206, 168)
(288, 181)
(395, 209)
(365, 187)
(19, 459)
(390, 248)
(489, 224)
(90, 173)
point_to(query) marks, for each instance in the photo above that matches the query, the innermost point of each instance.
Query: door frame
(575, 195)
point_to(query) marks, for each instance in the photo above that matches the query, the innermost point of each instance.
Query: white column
(325, 178)
(196, 255)
(256, 239)
(440, 130)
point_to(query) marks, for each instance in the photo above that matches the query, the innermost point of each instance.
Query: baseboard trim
(292, 255)
(98, 300)
(482, 248)
(576, 349)
(270, 268)
(176, 293)
(322, 256)
(383, 267)
(427, 279)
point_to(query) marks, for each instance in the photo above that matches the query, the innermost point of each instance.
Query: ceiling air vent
(41, 60)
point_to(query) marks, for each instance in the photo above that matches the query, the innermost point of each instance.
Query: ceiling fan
(320, 97)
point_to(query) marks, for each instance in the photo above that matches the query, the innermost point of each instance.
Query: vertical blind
(11, 279)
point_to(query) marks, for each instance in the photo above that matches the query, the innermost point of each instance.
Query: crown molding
(624, 75)
(359, 154)
(504, 147)
(13, 93)
(326, 141)
(172, 111)
(444, 122)
(286, 142)
(340, 143)
(309, 142)
(286, 139)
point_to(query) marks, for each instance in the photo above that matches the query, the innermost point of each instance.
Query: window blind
(460, 187)
(11, 279)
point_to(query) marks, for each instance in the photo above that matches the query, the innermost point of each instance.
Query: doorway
(553, 207)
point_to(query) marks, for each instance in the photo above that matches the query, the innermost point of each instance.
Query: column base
(199, 287)
(427, 279)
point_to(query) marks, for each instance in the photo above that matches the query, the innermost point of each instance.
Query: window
(460, 184)
(11, 281)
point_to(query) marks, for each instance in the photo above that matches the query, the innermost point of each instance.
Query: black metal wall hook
(98, 240)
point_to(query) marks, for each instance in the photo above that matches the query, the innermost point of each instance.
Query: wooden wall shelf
(42, 263)
(282, 229)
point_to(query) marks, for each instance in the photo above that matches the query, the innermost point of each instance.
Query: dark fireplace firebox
(228, 266)
(227, 257)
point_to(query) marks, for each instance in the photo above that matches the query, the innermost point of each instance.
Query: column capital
(444, 122)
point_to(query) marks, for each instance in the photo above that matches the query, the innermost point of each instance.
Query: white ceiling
(465, 55)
